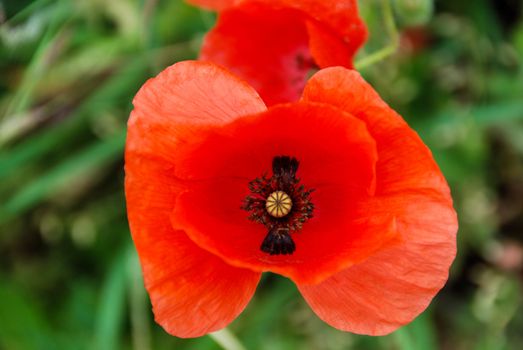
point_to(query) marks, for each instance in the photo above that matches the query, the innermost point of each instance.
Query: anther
(278, 204)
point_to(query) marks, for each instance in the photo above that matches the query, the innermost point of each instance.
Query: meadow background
(69, 277)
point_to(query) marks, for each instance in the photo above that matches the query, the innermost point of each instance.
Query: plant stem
(227, 340)
(390, 25)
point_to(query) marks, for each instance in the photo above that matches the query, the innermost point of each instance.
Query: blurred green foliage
(69, 277)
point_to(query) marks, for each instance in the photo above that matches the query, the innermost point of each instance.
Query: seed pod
(278, 204)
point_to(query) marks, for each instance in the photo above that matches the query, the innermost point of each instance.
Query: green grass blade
(93, 156)
(36, 68)
(138, 301)
(121, 86)
(112, 305)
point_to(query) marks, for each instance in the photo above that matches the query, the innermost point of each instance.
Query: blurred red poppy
(334, 191)
(274, 44)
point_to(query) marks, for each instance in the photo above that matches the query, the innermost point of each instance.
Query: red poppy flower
(274, 44)
(334, 191)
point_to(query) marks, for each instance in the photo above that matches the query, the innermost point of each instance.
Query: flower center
(280, 203)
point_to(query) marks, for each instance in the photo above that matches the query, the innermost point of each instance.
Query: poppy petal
(405, 163)
(167, 109)
(409, 186)
(333, 142)
(391, 288)
(330, 146)
(275, 44)
(265, 46)
(335, 28)
(192, 291)
(329, 50)
(183, 96)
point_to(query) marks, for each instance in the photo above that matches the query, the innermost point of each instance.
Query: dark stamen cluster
(278, 239)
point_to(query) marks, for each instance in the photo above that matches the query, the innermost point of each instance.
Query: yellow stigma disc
(278, 204)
